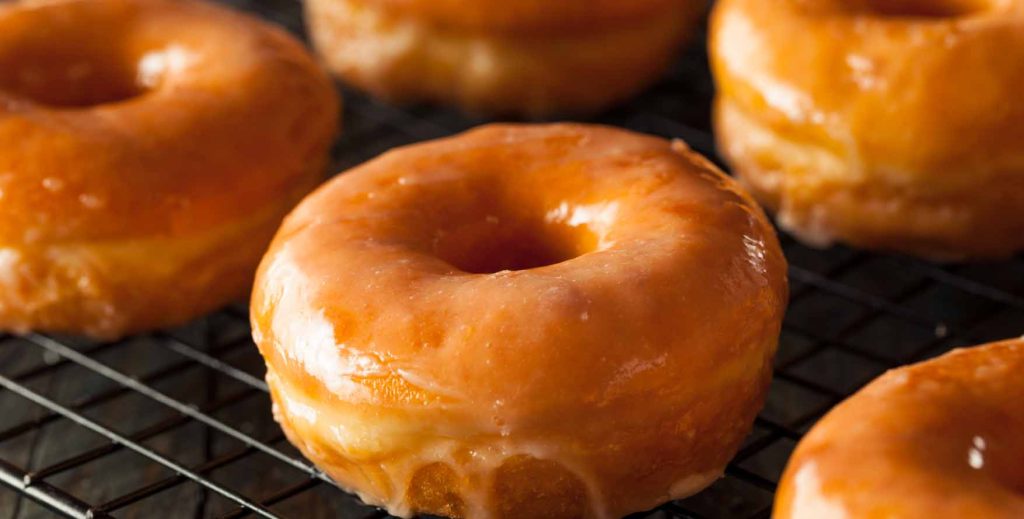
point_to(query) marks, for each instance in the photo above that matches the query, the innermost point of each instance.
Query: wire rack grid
(178, 423)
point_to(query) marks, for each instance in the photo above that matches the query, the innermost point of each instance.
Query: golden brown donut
(886, 124)
(522, 321)
(943, 438)
(148, 151)
(518, 57)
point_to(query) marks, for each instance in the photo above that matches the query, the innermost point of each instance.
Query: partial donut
(522, 321)
(148, 151)
(943, 438)
(884, 124)
(513, 57)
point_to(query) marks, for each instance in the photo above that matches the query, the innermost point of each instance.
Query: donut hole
(926, 8)
(503, 242)
(72, 55)
(1012, 477)
(61, 73)
(1003, 458)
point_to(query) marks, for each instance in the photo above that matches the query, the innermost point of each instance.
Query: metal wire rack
(178, 423)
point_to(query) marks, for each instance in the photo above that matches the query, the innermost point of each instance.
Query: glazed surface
(398, 50)
(127, 121)
(888, 125)
(522, 321)
(943, 438)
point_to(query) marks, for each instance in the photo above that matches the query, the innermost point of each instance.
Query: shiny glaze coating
(523, 57)
(891, 125)
(522, 321)
(943, 438)
(148, 150)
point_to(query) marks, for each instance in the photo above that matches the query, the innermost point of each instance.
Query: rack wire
(178, 423)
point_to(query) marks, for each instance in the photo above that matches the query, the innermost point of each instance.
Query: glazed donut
(514, 57)
(148, 151)
(943, 438)
(885, 124)
(522, 321)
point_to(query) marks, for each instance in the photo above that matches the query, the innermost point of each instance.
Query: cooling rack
(177, 423)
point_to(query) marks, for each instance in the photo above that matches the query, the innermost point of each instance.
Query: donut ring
(943, 438)
(522, 57)
(469, 327)
(886, 124)
(148, 151)
(527, 15)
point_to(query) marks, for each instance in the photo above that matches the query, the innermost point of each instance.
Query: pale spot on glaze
(976, 453)
(809, 498)
(10, 260)
(156, 66)
(637, 367)
(91, 201)
(6, 177)
(598, 218)
(53, 184)
(755, 249)
(864, 72)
